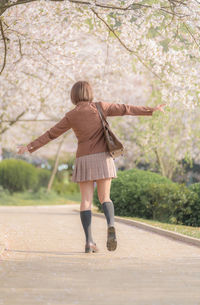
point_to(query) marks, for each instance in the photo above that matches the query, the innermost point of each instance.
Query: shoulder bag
(115, 147)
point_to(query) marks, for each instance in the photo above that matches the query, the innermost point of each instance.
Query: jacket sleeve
(112, 109)
(51, 134)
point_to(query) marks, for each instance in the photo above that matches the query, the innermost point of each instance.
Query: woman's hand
(22, 149)
(160, 107)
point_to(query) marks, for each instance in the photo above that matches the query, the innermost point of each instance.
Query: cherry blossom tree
(125, 49)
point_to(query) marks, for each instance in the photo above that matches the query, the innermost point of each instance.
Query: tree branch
(129, 7)
(5, 46)
(20, 51)
(5, 7)
(12, 122)
(198, 45)
(132, 6)
(28, 120)
(123, 44)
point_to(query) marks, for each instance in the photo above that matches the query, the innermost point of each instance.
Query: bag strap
(103, 119)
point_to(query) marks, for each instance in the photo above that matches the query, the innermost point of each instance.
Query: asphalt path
(44, 262)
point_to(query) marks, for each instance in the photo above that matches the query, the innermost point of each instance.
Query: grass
(39, 198)
(185, 230)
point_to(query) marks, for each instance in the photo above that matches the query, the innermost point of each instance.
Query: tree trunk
(55, 165)
(160, 161)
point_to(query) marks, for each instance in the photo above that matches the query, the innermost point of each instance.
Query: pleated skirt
(94, 167)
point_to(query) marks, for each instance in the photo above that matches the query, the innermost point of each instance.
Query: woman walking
(93, 161)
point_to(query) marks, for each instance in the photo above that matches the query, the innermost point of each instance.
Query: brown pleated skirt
(93, 167)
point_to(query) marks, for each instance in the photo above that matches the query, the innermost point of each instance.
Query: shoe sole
(111, 239)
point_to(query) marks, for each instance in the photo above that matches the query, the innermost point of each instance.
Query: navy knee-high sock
(108, 209)
(86, 218)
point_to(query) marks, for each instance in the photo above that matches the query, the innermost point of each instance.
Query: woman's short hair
(81, 91)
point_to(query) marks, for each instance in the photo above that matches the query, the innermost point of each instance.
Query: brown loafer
(111, 239)
(91, 247)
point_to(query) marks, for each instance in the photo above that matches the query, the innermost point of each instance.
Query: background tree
(139, 52)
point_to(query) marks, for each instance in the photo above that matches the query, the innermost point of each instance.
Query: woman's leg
(87, 190)
(103, 189)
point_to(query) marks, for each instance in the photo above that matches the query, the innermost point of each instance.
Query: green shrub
(72, 188)
(65, 188)
(43, 194)
(17, 175)
(173, 203)
(43, 178)
(195, 205)
(148, 195)
(3, 192)
(195, 187)
(60, 175)
(127, 191)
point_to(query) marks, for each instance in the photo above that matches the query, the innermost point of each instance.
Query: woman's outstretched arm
(112, 109)
(62, 126)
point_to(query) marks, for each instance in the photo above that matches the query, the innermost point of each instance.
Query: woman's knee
(87, 190)
(86, 204)
(103, 190)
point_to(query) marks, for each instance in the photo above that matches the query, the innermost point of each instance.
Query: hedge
(43, 177)
(144, 194)
(17, 175)
(65, 188)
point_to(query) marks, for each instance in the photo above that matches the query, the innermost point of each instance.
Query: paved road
(45, 264)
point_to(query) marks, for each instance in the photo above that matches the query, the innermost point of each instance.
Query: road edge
(166, 233)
